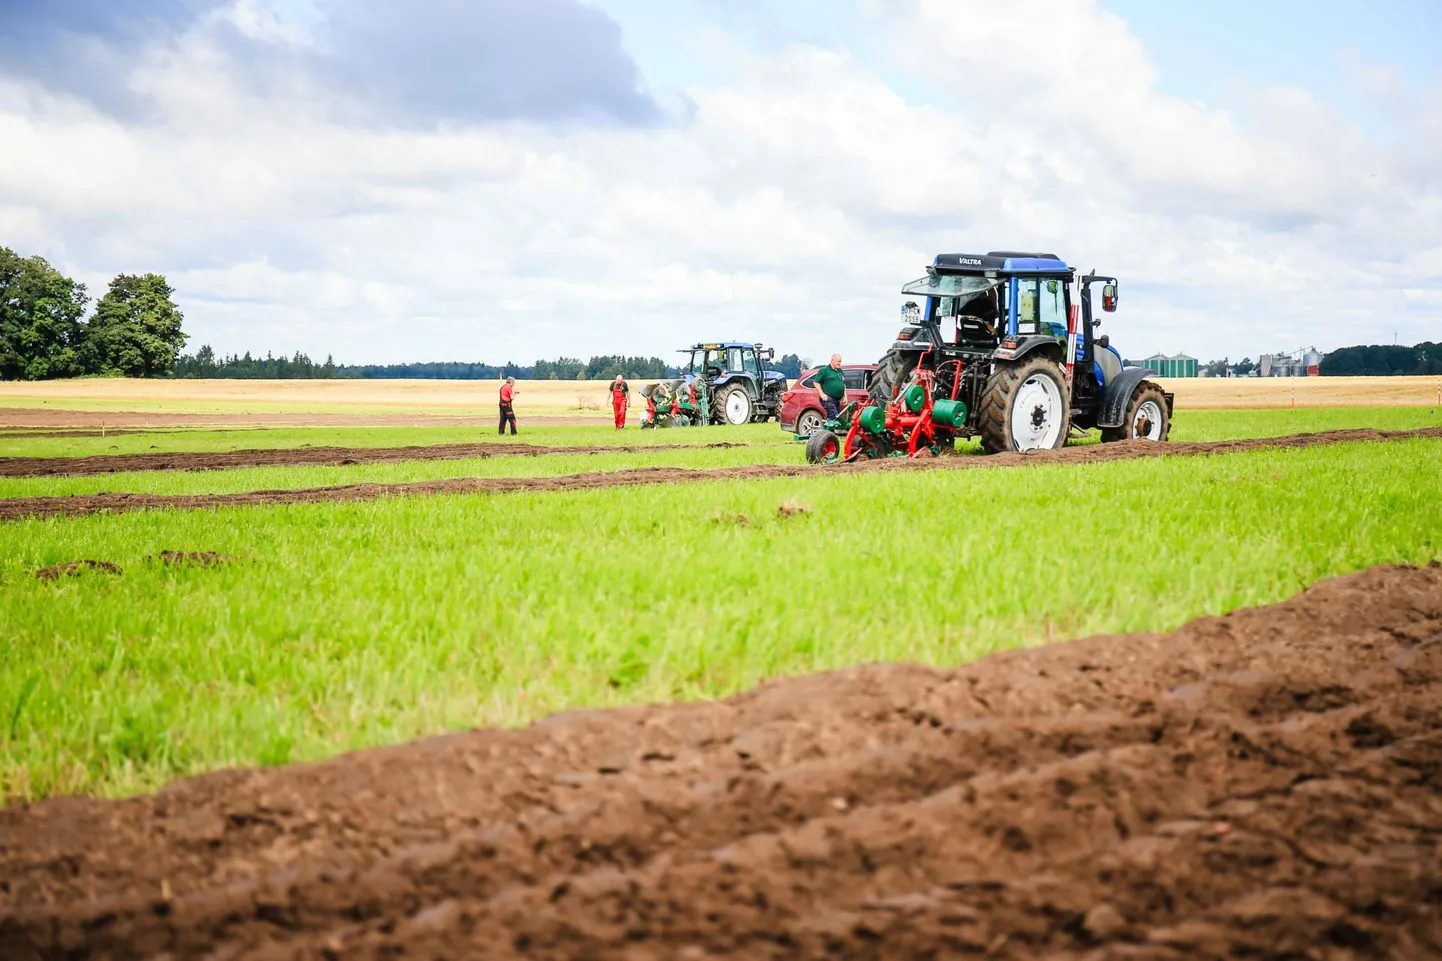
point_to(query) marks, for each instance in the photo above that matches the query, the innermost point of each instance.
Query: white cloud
(789, 205)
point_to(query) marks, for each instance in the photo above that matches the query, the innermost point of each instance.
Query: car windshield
(949, 285)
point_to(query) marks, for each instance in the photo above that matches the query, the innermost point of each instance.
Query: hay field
(442, 396)
(1207, 393)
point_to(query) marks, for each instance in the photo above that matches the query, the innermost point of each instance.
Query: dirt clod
(193, 558)
(1042, 802)
(55, 572)
(791, 508)
(725, 518)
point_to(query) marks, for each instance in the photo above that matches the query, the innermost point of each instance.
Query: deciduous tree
(41, 333)
(136, 330)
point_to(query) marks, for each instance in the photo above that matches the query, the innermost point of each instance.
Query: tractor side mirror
(769, 353)
(1109, 298)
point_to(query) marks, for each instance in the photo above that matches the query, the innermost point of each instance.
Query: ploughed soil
(13, 508)
(1266, 784)
(297, 457)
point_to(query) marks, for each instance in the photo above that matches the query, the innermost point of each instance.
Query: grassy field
(762, 444)
(345, 625)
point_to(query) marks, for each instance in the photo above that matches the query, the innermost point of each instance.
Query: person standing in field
(831, 387)
(508, 412)
(620, 400)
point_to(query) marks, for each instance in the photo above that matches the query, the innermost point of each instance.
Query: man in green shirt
(831, 387)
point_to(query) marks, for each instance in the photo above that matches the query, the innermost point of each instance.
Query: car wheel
(809, 422)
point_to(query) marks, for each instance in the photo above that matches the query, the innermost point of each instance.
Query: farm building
(1178, 365)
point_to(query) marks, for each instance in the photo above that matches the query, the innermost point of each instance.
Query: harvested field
(14, 508)
(300, 457)
(1231, 393)
(1265, 783)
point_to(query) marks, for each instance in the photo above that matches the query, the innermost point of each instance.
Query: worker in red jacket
(508, 413)
(620, 400)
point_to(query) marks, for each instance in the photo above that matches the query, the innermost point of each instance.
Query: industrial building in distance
(1300, 363)
(1178, 365)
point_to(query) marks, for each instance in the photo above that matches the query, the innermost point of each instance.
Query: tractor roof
(718, 345)
(1003, 261)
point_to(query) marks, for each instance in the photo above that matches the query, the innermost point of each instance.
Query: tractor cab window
(733, 358)
(1051, 307)
(748, 361)
(1041, 307)
(701, 359)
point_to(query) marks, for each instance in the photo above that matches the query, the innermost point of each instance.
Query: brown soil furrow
(1266, 783)
(14, 508)
(298, 457)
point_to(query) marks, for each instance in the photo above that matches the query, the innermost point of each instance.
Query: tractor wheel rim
(1147, 422)
(1036, 415)
(738, 408)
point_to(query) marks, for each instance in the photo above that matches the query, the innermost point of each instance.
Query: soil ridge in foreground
(15, 508)
(1267, 783)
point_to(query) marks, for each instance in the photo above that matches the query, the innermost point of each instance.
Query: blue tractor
(1000, 346)
(736, 378)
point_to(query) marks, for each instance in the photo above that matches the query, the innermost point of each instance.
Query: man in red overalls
(620, 400)
(508, 413)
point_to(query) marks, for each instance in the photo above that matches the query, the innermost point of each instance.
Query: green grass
(764, 444)
(1204, 425)
(285, 478)
(265, 438)
(356, 624)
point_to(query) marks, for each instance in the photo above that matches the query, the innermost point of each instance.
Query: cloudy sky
(513, 179)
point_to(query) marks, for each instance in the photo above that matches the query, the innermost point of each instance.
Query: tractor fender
(744, 379)
(1113, 408)
(1026, 345)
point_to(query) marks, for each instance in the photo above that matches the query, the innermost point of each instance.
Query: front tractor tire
(1026, 407)
(1146, 417)
(733, 405)
(823, 447)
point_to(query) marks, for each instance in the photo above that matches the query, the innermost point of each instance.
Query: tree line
(135, 330)
(1383, 360)
(205, 364)
(300, 366)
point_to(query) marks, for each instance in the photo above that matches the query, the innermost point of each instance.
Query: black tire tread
(816, 445)
(996, 400)
(1143, 390)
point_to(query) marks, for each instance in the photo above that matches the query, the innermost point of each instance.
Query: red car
(801, 411)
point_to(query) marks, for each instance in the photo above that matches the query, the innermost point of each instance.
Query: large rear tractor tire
(890, 374)
(732, 406)
(1146, 417)
(1026, 407)
(823, 447)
